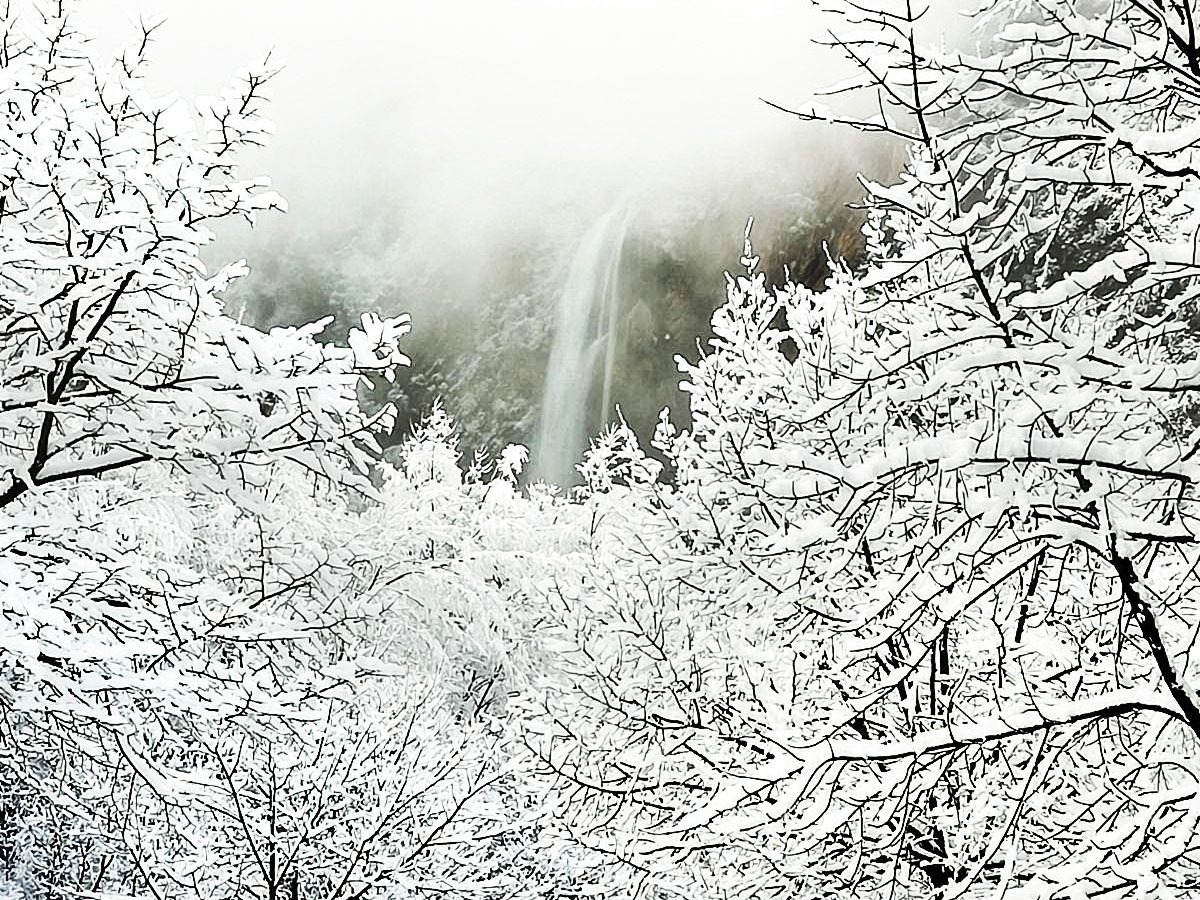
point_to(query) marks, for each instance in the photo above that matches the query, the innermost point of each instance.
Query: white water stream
(584, 339)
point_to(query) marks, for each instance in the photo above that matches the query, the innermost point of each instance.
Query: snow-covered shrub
(914, 619)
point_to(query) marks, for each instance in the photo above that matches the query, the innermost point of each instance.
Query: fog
(447, 158)
(479, 115)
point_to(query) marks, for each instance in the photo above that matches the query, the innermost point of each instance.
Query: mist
(484, 117)
(446, 160)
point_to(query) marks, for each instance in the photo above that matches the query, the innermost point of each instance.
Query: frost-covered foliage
(916, 618)
(913, 617)
(116, 353)
(320, 699)
(616, 460)
(231, 664)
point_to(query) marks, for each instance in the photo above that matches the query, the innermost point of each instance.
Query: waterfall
(584, 337)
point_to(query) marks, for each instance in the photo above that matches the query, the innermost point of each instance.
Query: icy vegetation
(908, 612)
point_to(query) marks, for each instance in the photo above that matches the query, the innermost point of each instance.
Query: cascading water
(584, 336)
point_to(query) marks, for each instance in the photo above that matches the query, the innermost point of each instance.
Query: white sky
(478, 107)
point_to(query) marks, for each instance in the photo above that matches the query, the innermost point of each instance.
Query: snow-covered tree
(918, 618)
(180, 607)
